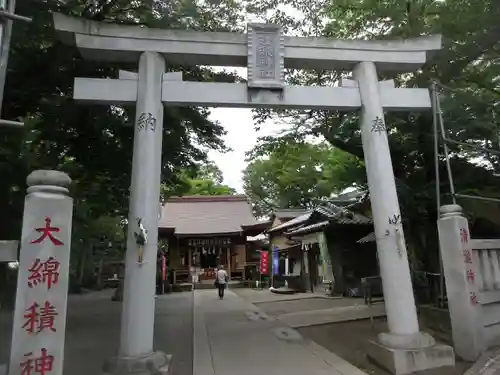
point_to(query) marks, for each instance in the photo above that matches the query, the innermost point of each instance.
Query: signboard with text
(164, 267)
(462, 271)
(42, 289)
(264, 262)
(265, 56)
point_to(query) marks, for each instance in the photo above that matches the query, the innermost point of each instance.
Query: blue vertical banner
(276, 261)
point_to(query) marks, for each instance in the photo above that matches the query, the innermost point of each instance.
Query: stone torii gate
(265, 52)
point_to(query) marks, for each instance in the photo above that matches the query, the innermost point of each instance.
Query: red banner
(164, 267)
(264, 262)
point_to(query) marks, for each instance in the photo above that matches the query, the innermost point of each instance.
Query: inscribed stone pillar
(459, 270)
(138, 313)
(404, 349)
(394, 267)
(42, 285)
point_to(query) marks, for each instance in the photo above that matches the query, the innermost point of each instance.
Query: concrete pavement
(233, 336)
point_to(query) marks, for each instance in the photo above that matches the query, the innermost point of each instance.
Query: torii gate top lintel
(111, 42)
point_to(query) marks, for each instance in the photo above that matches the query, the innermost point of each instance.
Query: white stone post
(394, 267)
(287, 266)
(460, 268)
(42, 284)
(138, 312)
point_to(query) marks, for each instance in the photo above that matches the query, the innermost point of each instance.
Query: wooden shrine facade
(205, 232)
(200, 256)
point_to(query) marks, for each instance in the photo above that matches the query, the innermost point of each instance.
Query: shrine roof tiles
(316, 227)
(341, 215)
(289, 213)
(196, 215)
(302, 218)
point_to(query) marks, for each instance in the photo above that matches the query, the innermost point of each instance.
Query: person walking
(221, 279)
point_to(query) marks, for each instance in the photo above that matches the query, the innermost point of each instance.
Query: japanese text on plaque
(265, 56)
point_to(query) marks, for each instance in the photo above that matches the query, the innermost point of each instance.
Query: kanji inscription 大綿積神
(47, 232)
(38, 332)
(41, 365)
(40, 318)
(46, 272)
(41, 311)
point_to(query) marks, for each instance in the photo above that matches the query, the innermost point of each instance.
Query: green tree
(204, 179)
(208, 187)
(298, 174)
(210, 171)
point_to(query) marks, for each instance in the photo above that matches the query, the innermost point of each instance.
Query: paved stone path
(232, 336)
(93, 329)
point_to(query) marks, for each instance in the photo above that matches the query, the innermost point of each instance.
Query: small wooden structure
(351, 257)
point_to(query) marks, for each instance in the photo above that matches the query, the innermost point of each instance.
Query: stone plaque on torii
(265, 51)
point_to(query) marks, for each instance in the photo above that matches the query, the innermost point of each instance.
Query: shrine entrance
(209, 252)
(208, 257)
(265, 52)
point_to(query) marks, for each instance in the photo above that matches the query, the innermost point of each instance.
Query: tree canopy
(204, 179)
(299, 174)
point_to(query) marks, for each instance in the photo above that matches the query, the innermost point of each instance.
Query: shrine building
(203, 232)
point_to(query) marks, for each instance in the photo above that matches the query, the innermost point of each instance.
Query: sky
(241, 137)
(238, 122)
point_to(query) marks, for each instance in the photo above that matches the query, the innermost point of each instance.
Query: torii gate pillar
(138, 311)
(404, 349)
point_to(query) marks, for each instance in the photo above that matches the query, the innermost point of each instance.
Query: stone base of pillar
(406, 354)
(156, 363)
